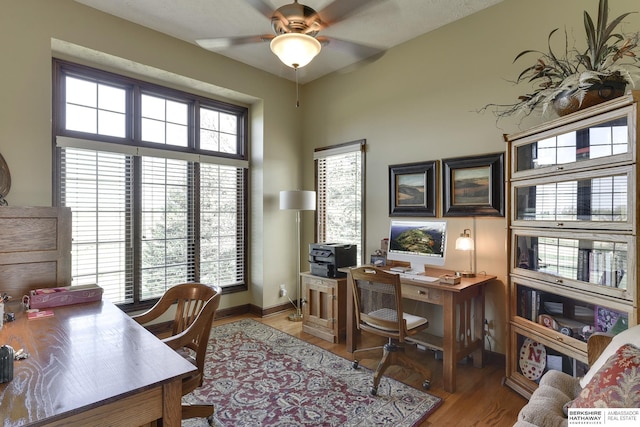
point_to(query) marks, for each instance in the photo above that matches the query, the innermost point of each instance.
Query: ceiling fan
(296, 26)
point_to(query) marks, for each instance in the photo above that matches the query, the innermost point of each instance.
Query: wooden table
(463, 312)
(90, 365)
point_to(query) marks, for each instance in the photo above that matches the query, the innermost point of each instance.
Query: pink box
(56, 297)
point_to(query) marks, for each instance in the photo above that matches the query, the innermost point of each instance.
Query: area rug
(259, 376)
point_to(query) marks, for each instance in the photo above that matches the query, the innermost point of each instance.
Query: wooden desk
(463, 312)
(90, 365)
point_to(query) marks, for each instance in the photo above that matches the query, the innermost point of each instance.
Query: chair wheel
(355, 364)
(373, 391)
(210, 420)
(426, 384)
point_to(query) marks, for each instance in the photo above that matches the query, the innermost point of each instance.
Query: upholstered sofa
(614, 371)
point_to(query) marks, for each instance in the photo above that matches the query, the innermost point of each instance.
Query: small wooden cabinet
(324, 307)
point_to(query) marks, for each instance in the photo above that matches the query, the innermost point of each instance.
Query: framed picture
(473, 186)
(412, 189)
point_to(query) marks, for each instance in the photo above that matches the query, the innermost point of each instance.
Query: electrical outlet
(283, 291)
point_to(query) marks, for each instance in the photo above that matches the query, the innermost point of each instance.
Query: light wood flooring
(480, 398)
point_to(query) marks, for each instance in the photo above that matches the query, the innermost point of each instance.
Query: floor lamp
(298, 200)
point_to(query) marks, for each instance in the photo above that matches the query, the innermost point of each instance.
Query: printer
(326, 258)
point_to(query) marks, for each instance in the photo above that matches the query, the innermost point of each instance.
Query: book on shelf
(535, 304)
(584, 265)
(524, 306)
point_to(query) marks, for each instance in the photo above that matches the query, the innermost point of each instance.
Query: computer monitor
(418, 242)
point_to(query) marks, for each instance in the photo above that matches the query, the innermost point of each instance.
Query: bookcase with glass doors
(573, 208)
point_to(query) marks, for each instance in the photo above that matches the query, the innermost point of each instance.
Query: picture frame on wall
(473, 186)
(412, 189)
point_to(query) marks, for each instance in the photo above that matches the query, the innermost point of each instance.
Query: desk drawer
(421, 293)
(318, 281)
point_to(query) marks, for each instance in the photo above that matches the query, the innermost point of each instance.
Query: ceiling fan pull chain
(295, 70)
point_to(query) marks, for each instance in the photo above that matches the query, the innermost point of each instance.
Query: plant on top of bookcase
(576, 79)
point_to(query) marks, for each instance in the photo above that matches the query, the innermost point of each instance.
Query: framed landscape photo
(473, 186)
(412, 189)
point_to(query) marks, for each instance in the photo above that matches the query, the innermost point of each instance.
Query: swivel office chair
(195, 306)
(377, 298)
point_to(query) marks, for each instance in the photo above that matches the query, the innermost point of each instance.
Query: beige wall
(32, 31)
(416, 103)
(419, 103)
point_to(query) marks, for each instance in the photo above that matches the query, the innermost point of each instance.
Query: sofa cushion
(567, 384)
(630, 336)
(544, 408)
(616, 384)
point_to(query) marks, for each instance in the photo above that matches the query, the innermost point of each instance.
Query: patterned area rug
(259, 376)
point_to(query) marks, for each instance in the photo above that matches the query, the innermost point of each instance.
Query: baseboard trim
(252, 309)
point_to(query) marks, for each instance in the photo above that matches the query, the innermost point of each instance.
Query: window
(339, 186)
(156, 181)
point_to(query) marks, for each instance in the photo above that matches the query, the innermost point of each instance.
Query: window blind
(222, 240)
(97, 187)
(339, 184)
(166, 225)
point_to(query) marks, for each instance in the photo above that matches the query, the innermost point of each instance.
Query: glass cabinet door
(594, 199)
(535, 358)
(594, 263)
(567, 314)
(577, 145)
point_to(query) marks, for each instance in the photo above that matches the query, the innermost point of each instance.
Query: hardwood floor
(480, 398)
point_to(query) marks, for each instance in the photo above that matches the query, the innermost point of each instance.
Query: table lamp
(465, 243)
(298, 200)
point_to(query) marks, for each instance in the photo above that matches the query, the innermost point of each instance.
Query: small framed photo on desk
(378, 260)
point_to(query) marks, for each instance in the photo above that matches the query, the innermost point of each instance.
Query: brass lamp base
(465, 274)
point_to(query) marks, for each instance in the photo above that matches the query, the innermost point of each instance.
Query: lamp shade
(464, 242)
(299, 200)
(295, 49)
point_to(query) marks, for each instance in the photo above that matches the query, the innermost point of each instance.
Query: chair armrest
(596, 345)
(154, 312)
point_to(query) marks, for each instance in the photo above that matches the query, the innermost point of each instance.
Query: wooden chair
(377, 297)
(195, 306)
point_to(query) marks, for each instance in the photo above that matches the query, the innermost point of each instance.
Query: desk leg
(172, 404)
(352, 331)
(449, 342)
(478, 301)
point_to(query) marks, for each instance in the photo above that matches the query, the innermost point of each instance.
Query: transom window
(157, 183)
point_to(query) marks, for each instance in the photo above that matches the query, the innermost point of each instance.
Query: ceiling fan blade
(356, 49)
(225, 42)
(339, 10)
(262, 7)
(268, 11)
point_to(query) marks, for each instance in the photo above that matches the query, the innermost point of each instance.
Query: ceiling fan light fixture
(295, 49)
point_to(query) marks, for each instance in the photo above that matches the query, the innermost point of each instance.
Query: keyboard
(419, 277)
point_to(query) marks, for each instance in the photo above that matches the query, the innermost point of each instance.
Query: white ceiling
(383, 24)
